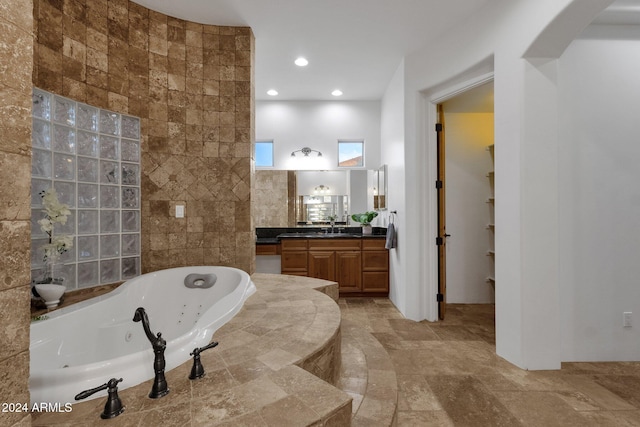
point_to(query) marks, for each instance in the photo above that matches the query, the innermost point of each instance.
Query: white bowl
(50, 293)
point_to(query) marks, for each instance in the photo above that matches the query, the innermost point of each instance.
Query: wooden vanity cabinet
(294, 257)
(360, 266)
(338, 260)
(375, 266)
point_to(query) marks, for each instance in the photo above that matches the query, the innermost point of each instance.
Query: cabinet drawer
(375, 281)
(375, 261)
(293, 244)
(373, 244)
(334, 244)
(267, 249)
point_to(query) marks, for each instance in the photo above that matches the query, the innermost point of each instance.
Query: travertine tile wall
(271, 199)
(192, 87)
(16, 64)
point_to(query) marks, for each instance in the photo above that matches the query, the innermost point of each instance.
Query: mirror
(380, 193)
(279, 196)
(320, 209)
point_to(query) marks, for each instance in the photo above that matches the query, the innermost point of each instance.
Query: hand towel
(391, 237)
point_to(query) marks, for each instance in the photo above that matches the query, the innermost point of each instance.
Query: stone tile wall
(192, 87)
(271, 199)
(16, 52)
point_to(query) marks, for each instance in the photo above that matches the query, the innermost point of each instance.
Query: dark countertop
(272, 236)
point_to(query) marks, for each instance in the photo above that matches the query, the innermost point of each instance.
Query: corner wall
(527, 310)
(16, 53)
(192, 87)
(599, 196)
(392, 151)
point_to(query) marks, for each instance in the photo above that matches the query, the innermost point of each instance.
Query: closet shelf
(490, 280)
(491, 226)
(490, 175)
(491, 253)
(491, 200)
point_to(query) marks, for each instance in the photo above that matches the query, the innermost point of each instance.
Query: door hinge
(439, 297)
(438, 127)
(439, 241)
(438, 184)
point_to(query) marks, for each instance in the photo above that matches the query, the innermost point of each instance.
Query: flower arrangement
(55, 213)
(364, 218)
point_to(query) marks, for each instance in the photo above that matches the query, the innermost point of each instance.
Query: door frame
(431, 99)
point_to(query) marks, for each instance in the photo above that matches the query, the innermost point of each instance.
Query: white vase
(50, 293)
(367, 230)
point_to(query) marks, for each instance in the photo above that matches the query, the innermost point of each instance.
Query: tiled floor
(449, 375)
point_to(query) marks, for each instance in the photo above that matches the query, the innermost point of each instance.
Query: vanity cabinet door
(294, 257)
(349, 271)
(322, 265)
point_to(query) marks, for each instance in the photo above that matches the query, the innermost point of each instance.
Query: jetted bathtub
(84, 345)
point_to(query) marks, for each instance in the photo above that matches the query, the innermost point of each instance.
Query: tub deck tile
(267, 370)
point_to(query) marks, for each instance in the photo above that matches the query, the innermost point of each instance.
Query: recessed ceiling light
(336, 92)
(272, 92)
(301, 62)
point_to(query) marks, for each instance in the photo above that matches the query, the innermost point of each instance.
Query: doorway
(466, 221)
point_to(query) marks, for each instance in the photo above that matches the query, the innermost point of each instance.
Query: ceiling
(352, 45)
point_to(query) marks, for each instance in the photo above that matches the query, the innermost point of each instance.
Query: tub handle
(197, 370)
(200, 281)
(114, 406)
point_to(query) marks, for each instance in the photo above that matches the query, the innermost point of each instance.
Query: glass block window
(92, 158)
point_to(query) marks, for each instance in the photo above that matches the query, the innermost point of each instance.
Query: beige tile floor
(448, 374)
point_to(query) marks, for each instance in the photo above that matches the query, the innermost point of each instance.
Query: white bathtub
(84, 345)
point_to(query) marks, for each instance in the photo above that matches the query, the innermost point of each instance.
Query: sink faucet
(159, 345)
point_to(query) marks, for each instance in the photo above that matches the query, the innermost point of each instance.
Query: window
(264, 154)
(92, 159)
(350, 154)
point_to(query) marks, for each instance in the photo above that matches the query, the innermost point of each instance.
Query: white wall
(467, 187)
(392, 152)
(319, 125)
(599, 186)
(526, 138)
(359, 192)
(307, 181)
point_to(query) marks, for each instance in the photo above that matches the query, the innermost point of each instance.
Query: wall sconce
(306, 151)
(321, 189)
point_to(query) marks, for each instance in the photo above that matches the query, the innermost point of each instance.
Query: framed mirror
(380, 195)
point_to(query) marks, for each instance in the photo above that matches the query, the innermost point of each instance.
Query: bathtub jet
(89, 342)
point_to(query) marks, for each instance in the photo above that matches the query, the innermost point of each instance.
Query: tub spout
(159, 344)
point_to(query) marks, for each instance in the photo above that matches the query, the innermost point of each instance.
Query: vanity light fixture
(321, 189)
(301, 62)
(336, 92)
(306, 151)
(272, 92)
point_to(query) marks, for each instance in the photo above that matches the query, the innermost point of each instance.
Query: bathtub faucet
(159, 345)
(114, 406)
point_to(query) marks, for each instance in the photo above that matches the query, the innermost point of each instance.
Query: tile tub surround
(254, 376)
(16, 50)
(192, 86)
